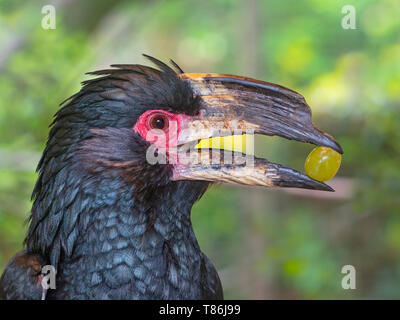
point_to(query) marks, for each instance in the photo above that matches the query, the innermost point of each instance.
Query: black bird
(119, 176)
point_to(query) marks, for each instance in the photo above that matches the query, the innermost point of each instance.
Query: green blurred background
(265, 243)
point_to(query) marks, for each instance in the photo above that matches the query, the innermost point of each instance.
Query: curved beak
(234, 105)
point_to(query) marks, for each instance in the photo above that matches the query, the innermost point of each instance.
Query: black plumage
(114, 226)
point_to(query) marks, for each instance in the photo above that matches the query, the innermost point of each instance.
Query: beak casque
(232, 105)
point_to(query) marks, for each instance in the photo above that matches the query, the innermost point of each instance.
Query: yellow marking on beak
(239, 143)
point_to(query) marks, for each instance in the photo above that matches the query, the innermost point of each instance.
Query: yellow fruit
(322, 163)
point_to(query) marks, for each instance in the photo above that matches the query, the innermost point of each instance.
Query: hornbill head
(162, 115)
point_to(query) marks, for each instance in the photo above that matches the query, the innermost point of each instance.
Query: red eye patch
(160, 127)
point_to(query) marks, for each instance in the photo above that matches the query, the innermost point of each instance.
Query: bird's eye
(158, 121)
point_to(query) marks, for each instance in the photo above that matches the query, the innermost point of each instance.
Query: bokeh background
(265, 243)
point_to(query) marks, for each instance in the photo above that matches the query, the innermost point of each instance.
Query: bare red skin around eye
(161, 138)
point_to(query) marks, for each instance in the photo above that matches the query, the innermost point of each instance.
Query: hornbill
(117, 226)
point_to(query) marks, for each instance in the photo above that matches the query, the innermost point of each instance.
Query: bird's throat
(124, 248)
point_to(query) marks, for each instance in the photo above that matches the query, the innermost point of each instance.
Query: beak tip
(320, 186)
(338, 148)
(330, 142)
(328, 188)
(290, 178)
